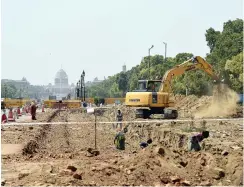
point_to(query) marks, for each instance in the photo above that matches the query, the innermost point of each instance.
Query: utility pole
(149, 61)
(83, 75)
(165, 51)
(81, 80)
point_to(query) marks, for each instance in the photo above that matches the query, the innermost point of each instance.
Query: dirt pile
(223, 103)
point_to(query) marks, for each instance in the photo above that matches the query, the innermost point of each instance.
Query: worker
(16, 114)
(33, 110)
(119, 139)
(119, 119)
(153, 87)
(143, 145)
(84, 104)
(195, 139)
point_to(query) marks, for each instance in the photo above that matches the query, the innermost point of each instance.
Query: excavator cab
(148, 85)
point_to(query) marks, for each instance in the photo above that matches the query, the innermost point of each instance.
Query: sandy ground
(65, 154)
(7, 149)
(40, 155)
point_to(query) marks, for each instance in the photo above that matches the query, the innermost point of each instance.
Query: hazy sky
(99, 36)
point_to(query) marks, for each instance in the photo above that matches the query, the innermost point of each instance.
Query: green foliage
(8, 91)
(122, 82)
(133, 82)
(212, 37)
(98, 100)
(181, 57)
(234, 67)
(225, 45)
(225, 56)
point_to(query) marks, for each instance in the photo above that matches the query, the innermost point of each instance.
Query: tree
(181, 57)
(211, 38)
(234, 67)
(133, 82)
(8, 90)
(225, 45)
(122, 82)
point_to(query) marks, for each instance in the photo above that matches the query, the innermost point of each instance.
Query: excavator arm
(192, 64)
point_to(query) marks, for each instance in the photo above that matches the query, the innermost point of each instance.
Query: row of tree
(9, 90)
(225, 55)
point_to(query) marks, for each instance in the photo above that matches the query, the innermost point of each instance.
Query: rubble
(77, 176)
(72, 168)
(166, 162)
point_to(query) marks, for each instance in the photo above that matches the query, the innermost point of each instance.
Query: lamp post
(81, 84)
(80, 90)
(83, 76)
(149, 61)
(77, 90)
(165, 51)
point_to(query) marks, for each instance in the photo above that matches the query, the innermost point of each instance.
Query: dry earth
(41, 155)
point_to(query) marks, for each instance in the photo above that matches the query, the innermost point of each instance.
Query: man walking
(33, 111)
(119, 119)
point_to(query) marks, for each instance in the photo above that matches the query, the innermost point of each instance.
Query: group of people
(32, 106)
(32, 109)
(119, 139)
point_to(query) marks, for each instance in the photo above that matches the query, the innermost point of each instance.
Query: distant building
(19, 84)
(61, 86)
(59, 89)
(22, 86)
(124, 68)
(95, 81)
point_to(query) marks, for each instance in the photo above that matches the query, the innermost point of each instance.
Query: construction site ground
(63, 154)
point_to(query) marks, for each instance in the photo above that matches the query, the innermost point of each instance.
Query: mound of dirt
(223, 103)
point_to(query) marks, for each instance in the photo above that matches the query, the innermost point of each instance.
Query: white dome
(61, 74)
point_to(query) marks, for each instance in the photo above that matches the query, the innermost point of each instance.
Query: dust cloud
(224, 103)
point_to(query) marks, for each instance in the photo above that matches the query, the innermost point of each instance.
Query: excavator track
(167, 113)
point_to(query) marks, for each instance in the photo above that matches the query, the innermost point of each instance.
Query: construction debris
(165, 162)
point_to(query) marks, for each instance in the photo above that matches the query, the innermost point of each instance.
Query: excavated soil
(223, 103)
(48, 151)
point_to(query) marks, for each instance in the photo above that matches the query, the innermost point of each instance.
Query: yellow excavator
(153, 96)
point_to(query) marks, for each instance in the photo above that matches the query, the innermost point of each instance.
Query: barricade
(19, 112)
(4, 118)
(11, 115)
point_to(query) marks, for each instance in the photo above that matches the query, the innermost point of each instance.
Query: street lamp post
(83, 75)
(81, 85)
(77, 90)
(149, 61)
(165, 51)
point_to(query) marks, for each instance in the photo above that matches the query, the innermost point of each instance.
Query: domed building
(61, 86)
